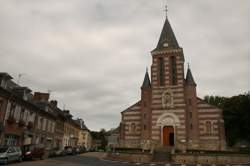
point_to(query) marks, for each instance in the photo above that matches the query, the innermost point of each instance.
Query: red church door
(168, 136)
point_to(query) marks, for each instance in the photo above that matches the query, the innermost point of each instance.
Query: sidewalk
(95, 154)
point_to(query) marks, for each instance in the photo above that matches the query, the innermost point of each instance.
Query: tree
(236, 112)
(101, 135)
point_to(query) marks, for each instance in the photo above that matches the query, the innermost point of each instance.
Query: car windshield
(2, 150)
(17, 149)
(28, 148)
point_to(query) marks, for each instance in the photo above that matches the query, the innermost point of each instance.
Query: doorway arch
(168, 123)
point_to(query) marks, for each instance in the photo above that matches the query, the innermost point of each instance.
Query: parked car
(60, 153)
(69, 150)
(52, 153)
(9, 154)
(82, 149)
(30, 152)
(76, 150)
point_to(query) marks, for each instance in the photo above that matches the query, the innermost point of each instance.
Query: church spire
(167, 37)
(189, 77)
(146, 81)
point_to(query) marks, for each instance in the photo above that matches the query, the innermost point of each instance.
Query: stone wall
(184, 158)
(211, 159)
(132, 157)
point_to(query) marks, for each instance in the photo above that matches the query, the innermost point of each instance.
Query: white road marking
(125, 162)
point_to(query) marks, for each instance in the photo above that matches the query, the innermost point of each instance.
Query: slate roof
(129, 108)
(167, 36)
(6, 75)
(84, 127)
(189, 78)
(146, 81)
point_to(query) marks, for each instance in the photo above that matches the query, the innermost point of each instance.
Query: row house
(32, 119)
(45, 121)
(71, 130)
(17, 118)
(85, 138)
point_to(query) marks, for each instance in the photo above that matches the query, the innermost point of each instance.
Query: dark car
(76, 150)
(31, 152)
(68, 150)
(82, 149)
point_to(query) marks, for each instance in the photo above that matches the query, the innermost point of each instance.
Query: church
(169, 113)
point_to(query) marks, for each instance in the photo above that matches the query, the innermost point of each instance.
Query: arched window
(161, 70)
(173, 70)
(133, 127)
(208, 127)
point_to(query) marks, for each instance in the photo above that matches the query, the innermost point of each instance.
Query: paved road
(87, 159)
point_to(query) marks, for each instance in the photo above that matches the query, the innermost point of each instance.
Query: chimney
(38, 96)
(53, 103)
(67, 113)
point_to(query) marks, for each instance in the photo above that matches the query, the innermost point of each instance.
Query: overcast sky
(93, 54)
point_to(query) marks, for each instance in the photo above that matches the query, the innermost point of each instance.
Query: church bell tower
(168, 101)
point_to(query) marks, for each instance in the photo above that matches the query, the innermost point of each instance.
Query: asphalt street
(89, 160)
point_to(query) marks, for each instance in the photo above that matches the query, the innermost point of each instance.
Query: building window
(12, 110)
(133, 127)
(145, 127)
(173, 70)
(208, 127)
(22, 114)
(161, 70)
(191, 126)
(145, 116)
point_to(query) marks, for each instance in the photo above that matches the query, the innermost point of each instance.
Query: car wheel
(20, 159)
(41, 158)
(5, 161)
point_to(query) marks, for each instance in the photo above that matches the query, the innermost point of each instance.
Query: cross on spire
(166, 10)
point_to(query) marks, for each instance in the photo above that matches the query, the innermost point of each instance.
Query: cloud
(93, 54)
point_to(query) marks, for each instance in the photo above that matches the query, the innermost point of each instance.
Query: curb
(166, 164)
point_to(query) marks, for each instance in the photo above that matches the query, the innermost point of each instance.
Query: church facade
(169, 113)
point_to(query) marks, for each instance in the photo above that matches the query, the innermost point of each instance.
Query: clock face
(165, 45)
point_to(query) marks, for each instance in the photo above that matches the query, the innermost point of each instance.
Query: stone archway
(168, 123)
